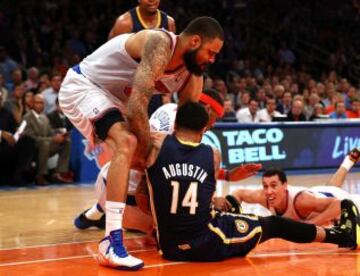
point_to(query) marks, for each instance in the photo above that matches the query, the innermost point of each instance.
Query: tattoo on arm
(155, 57)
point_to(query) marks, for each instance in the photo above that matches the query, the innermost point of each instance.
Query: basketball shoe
(349, 223)
(82, 222)
(112, 253)
(354, 155)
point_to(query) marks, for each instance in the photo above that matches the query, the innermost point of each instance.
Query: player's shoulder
(123, 24)
(171, 24)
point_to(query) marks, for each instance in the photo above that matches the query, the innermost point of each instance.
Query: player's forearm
(331, 213)
(138, 119)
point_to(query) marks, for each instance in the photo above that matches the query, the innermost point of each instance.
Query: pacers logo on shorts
(241, 225)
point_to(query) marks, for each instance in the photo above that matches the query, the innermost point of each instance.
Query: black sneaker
(235, 204)
(354, 155)
(82, 222)
(349, 223)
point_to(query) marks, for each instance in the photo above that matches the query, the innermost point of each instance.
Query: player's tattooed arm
(154, 59)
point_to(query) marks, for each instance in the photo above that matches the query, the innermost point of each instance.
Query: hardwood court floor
(37, 238)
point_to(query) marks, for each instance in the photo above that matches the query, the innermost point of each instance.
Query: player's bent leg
(346, 235)
(112, 251)
(135, 219)
(95, 216)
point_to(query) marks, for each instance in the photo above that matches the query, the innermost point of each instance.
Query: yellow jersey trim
(188, 143)
(142, 22)
(227, 240)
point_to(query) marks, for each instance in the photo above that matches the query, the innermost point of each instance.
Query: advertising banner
(285, 145)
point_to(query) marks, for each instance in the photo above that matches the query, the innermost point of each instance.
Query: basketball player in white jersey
(318, 204)
(106, 97)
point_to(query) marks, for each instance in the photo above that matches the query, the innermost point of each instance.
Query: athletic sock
(114, 215)
(95, 212)
(347, 163)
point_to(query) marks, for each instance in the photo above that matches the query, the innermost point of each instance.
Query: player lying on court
(162, 120)
(182, 177)
(318, 204)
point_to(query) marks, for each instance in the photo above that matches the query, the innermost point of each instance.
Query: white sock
(114, 215)
(347, 163)
(94, 213)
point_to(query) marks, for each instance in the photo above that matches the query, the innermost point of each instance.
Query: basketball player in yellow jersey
(145, 16)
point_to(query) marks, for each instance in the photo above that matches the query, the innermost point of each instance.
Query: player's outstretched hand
(244, 171)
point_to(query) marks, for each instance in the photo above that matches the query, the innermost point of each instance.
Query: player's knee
(125, 143)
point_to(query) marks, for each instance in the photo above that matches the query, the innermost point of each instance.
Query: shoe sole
(104, 262)
(356, 212)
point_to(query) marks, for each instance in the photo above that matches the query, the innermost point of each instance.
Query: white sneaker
(112, 253)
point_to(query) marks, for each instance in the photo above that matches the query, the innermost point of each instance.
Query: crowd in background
(282, 61)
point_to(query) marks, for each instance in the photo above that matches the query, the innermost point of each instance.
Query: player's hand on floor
(244, 171)
(220, 203)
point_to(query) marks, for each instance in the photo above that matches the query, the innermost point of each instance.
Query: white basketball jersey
(317, 191)
(163, 119)
(111, 68)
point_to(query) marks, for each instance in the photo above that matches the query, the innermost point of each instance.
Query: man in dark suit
(58, 120)
(296, 113)
(48, 143)
(15, 156)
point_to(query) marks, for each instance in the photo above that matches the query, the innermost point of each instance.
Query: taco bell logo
(209, 138)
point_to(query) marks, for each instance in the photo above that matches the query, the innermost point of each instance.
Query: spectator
(14, 103)
(44, 83)
(249, 114)
(32, 82)
(319, 113)
(58, 121)
(229, 112)
(286, 55)
(220, 86)
(309, 108)
(285, 105)
(244, 100)
(279, 91)
(267, 114)
(15, 156)
(355, 109)
(27, 102)
(7, 65)
(261, 97)
(16, 79)
(296, 113)
(48, 143)
(349, 95)
(340, 111)
(51, 94)
(3, 89)
(329, 95)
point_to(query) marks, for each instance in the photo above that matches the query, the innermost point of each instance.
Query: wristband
(224, 174)
(221, 175)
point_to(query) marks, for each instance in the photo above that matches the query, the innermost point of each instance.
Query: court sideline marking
(255, 255)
